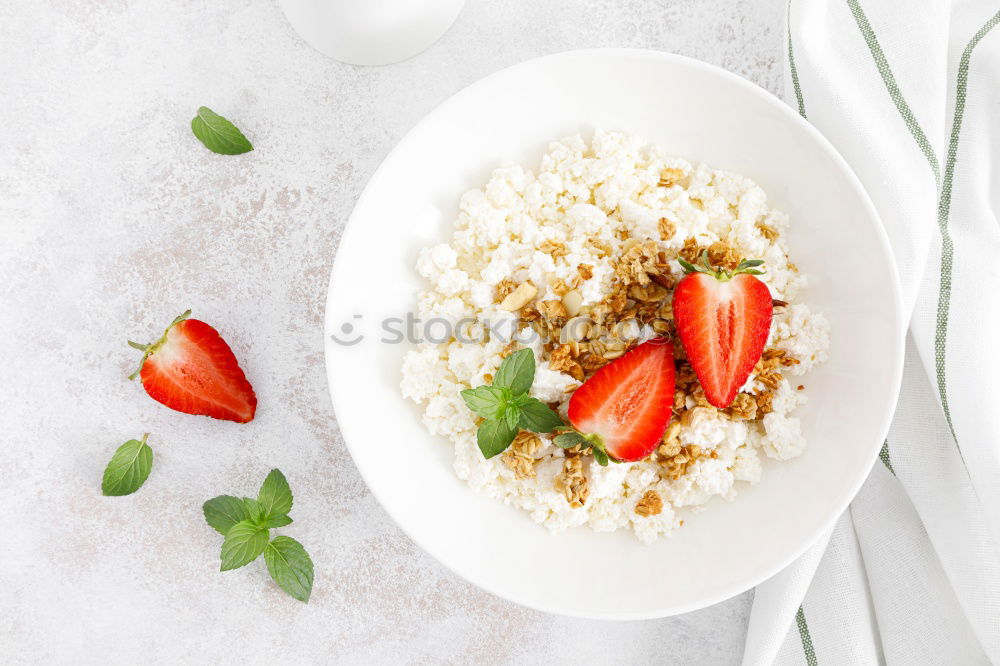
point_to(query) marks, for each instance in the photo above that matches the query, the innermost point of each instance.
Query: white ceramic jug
(371, 32)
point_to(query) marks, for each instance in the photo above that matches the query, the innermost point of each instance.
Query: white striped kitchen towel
(909, 93)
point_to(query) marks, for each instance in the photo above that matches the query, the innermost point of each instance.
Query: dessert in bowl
(578, 260)
(836, 330)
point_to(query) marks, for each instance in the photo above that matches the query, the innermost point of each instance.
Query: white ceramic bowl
(692, 110)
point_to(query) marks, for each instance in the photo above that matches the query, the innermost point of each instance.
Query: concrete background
(114, 219)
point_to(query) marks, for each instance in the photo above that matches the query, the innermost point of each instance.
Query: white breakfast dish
(835, 238)
(602, 207)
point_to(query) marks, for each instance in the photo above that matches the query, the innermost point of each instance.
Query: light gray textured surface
(113, 219)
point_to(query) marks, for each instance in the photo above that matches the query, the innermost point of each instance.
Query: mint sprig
(218, 134)
(128, 469)
(246, 523)
(506, 406)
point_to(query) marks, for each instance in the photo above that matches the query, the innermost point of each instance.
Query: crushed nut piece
(721, 253)
(677, 466)
(573, 301)
(519, 456)
(770, 378)
(602, 247)
(764, 404)
(591, 363)
(586, 271)
(638, 262)
(768, 232)
(800, 387)
(575, 330)
(667, 228)
(563, 359)
(691, 251)
(650, 293)
(744, 408)
(553, 248)
(649, 504)
(518, 298)
(697, 415)
(509, 349)
(553, 310)
(530, 314)
(670, 177)
(504, 287)
(572, 483)
(663, 278)
(488, 378)
(669, 450)
(686, 379)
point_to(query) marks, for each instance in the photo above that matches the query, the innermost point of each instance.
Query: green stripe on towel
(944, 210)
(890, 83)
(807, 642)
(883, 455)
(791, 65)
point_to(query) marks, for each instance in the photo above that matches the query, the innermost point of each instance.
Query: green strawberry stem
(590, 441)
(152, 347)
(748, 266)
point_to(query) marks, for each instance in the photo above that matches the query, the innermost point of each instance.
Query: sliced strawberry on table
(723, 319)
(191, 369)
(623, 409)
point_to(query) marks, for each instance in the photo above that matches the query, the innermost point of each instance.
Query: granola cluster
(579, 340)
(572, 483)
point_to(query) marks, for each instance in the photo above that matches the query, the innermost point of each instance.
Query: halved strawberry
(625, 407)
(723, 319)
(193, 370)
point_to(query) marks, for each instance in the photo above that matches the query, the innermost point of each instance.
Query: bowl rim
(788, 114)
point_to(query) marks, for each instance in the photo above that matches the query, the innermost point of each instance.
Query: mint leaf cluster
(246, 523)
(506, 406)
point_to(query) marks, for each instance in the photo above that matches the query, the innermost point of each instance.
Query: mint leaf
(568, 440)
(223, 512)
(600, 456)
(493, 437)
(275, 496)
(486, 401)
(520, 400)
(129, 468)
(244, 542)
(517, 372)
(255, 510)
(511, 417)
(536, 416)
(277, 521)
(290, 566)
(218, 134)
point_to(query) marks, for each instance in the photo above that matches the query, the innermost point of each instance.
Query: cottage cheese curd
(593, 201)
